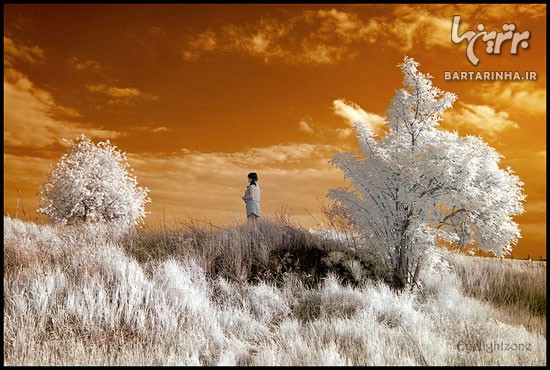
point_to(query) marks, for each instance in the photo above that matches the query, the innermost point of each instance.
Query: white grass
(73, 297)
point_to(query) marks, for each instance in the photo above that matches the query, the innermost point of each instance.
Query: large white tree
(417, 185)
(93, 183)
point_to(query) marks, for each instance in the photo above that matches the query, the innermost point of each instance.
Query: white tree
(418, 186)
(93, 183)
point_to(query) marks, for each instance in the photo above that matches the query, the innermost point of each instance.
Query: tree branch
(454, 213)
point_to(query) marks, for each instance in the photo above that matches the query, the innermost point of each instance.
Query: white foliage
(93, 183)
(418, 185)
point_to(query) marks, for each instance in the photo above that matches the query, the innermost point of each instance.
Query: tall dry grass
(516, 287)
(265, 251)
(90, 296)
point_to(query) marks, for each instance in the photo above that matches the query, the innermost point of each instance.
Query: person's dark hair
(254, 177)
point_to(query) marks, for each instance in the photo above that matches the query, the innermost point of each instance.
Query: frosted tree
(93, 183)
(418, 186)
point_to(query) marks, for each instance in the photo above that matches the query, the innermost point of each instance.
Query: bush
(92, 183)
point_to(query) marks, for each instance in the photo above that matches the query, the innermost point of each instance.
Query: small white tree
(419, 185)
(92, 183)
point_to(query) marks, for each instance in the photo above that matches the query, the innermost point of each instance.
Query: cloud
(152, 128)
(115, 92)
(14, 51)
(480, 117)
(333, 20)
(27, 173)
(32, 117)
(324, 54)
(428, 25)
(353, 113)
(121, 95)
(84, 65)
(161, 129)
(210, 184)
(412, 26)
(328, 38)
(305, 127)
(157, 31)
(522, 97)
(203, 42)
(500, 13)
(344, 132)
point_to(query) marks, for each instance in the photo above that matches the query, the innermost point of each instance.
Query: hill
(270, 294)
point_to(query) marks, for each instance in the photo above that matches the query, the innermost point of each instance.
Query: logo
(493, 40)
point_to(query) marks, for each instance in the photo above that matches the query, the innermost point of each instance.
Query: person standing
(251, 198)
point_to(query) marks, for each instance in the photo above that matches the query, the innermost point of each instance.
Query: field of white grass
(273, 294)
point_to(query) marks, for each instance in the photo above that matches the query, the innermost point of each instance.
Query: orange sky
(200, 95)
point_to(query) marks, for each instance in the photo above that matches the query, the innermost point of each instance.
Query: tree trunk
(401, 269)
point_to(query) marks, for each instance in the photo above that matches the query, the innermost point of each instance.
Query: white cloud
(161, 129)
(524, 97)
(152, 128)
(14, 51)
(305, 127)
(32, 117)
(121, 95)
(414, 25)
(211, 184)
(157, 31)
(26, 173)
(327, 39)
(353, 113)
(337, 21)
(327, 36)
(480, 117)
(428, 25)
(116, 92)
(504, 13)
(203, 42)
(344, 132)
(84, 65)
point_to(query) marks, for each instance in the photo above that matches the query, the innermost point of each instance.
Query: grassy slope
(271, 295)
